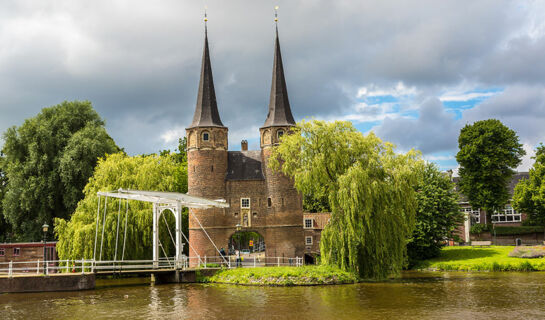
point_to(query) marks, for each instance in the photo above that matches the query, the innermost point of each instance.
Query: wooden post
(278, 261)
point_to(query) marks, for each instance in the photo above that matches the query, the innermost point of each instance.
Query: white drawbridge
(162, 201)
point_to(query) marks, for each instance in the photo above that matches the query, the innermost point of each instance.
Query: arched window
(205, 136)
(279, 134)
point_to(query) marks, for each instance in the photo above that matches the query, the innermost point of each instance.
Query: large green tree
(437, 215)
(152, 172)
(5, 230)
(488, 153)
(370, 190)
(529, 194)
(48, 160)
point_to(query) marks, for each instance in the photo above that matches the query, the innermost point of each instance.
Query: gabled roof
(206, 111)
(279, 104)
(244, 165)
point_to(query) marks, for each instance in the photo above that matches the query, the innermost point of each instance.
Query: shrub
(479, 228)
(511, 231)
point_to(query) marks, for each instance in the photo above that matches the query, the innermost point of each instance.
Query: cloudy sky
(414, 72)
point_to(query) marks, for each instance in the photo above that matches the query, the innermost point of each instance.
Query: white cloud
(438, 158)
(399, 90)
(466, 96)
(527, 161)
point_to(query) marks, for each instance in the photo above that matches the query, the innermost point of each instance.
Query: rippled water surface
(415, 296)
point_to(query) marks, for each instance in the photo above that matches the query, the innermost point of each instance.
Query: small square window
(236, 214)
(308, 240)
(245, 202)
(16, 251)
(2, 252)
(309, 223)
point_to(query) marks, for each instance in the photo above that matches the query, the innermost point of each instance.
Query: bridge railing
(52, 267)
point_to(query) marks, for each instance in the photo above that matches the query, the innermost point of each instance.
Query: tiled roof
(244, 165)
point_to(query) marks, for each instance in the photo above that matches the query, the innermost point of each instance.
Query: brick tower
(206, 156)
(259, 199)
(285, 205)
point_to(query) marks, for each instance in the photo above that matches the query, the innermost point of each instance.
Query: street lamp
(239, 240)
(45, 227)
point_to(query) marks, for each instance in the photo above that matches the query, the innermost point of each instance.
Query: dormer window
(205, 136)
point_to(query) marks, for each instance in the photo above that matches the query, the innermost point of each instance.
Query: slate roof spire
(206, 111)
(279, 104)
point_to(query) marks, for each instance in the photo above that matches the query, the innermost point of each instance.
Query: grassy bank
(282, 276)
(493, 258)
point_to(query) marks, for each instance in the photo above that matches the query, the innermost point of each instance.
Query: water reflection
(415, 296)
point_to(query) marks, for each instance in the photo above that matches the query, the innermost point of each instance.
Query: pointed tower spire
(279, 104)
(206, 111)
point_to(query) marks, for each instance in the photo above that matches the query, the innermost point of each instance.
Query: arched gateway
(259, 199)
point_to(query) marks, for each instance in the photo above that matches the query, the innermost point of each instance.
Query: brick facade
(272, 206)
(27, 251)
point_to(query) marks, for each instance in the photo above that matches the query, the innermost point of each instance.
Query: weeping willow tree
(370, 190)
(167, 172)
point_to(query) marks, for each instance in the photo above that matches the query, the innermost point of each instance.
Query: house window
(475, 215)
(245, 203)
(269, 202)
(236, 214)
(508, 214)
(2, 252)
(279, 134)
(308, 240)
(255, 214)
(205, 136)
(308, 223)
(16, 251)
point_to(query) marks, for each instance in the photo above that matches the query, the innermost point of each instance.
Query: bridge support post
(179, 245)
(155, 236)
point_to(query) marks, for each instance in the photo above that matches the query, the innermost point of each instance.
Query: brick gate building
(260, 200)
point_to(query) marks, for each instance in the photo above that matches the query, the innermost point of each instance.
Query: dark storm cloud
(139, 62)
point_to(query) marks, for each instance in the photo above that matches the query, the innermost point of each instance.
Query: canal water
(414, 296)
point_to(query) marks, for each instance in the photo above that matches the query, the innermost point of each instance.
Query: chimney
(244, 145)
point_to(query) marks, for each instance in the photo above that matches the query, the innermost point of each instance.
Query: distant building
(27, 251)
(508, 216)
(313, 225)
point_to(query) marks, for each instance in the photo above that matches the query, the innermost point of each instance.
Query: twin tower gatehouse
(260, 200)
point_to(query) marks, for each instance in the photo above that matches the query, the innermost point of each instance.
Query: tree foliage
(370, 190)
(488, 153)
(437, 215)
(152, 172)
(5, 230)
(48, 160)
(529, 194)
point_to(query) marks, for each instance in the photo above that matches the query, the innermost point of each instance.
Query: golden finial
(205, 16)
(276, 14)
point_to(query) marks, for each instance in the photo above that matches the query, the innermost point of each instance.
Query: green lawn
(283, 276)
(493, 258)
